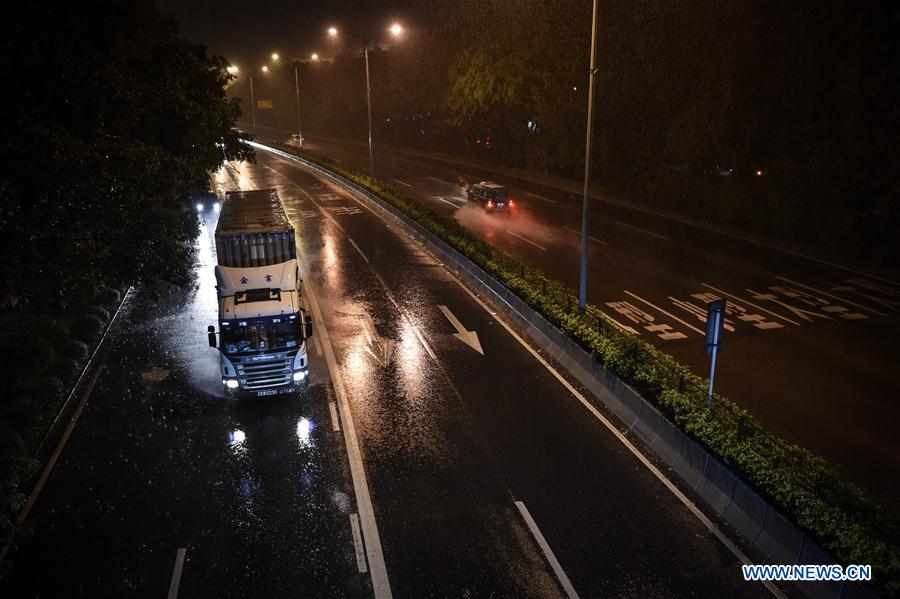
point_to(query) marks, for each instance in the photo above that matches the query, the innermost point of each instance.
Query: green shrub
(851, 525)
(109, 297)
(26, 353)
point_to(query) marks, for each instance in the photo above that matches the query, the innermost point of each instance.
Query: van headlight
(299, 375)
(231, 383)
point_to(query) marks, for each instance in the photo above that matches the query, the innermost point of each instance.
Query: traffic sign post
(715, 325)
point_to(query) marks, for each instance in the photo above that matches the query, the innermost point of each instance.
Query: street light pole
(297, 87)
(252, 104)
(369, 107)
(586, 207)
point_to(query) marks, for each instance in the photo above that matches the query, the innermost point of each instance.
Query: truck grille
(261, 375)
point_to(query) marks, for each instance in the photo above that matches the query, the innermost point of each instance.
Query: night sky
(247, 32)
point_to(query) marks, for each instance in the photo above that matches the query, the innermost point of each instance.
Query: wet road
(459, 441)
(810, 347)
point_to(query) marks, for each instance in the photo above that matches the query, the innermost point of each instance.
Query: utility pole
(252, 105)
(297, 87)
(586, 207)
(369, 107)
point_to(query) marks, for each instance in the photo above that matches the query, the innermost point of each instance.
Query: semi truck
(263, 328)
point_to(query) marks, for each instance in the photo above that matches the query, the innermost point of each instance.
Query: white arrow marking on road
(378, 347)
(470, 338)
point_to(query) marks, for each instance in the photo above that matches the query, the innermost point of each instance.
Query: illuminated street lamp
(275, 56)
(395, 30)
(313, 58)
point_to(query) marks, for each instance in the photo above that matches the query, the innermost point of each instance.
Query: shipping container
(253, 230)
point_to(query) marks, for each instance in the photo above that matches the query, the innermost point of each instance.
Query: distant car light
(231, 383)
(199, 207)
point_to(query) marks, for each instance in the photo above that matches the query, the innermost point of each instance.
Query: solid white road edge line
(697, 513)
(548, 553)
(358, 544)
(175, 582)
(378, 570)
(401, 182)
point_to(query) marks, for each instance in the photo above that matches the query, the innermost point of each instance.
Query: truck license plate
(266, 392)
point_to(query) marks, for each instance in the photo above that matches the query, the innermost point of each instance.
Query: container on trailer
(253, 230)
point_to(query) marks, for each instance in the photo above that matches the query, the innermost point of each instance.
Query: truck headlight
(299, 375)
(231, 383)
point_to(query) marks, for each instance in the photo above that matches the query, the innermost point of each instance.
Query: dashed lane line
(540, 197)
(404, 183)
(589, 236)
(175, 581)
(548, 553)
(358, 544)
(645, 231)
(526, 240)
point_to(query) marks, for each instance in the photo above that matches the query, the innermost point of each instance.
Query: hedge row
(44, 356)
(854, 527)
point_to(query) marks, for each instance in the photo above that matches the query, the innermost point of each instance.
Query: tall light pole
(395, 30)
(252, 103)
(586, 207)
(297, 62)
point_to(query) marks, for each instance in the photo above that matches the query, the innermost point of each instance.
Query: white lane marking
(470, 338)
(358, 544)
(548, 553)
(539, 197)
(440, 181)
(335, 422)
(401, 182)
(175, 582)
(846, 301)
(378, 570)
(641, 230)
(353, 243)
(695, 511)
(670, 315)
(445, 201)
(743, 301)
(526, 240)
(589, 236)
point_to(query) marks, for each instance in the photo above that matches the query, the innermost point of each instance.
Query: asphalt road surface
(419, 459)
(810, 347)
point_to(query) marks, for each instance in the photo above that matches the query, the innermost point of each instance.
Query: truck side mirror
(307, 327)
(212, 336)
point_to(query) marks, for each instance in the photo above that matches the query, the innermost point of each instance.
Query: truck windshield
(255, 337)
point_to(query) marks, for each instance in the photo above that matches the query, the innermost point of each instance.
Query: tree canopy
(113, 122)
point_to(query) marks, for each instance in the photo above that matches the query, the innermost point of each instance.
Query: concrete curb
(723, 490)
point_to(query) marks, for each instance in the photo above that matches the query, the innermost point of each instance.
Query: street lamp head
(232, 70)
(265, 69)
(275, 56)
(396, 29)
(332, 31)
(314, 56)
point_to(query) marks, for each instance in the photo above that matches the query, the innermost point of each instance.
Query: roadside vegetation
(852, 525)
(113, 123)
(775, 118)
